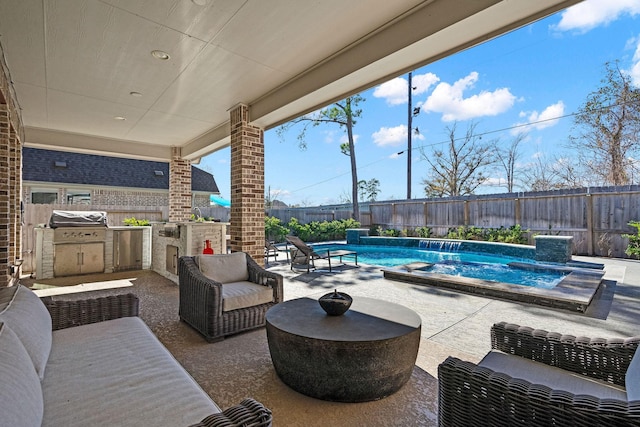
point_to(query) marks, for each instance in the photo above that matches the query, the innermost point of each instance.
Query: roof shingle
(76, 168)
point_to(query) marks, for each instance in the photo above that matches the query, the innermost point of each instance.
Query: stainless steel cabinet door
(67, 260)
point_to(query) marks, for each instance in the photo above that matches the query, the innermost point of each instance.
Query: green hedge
(314, 231)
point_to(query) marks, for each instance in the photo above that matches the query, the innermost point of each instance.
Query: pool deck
(457, 324)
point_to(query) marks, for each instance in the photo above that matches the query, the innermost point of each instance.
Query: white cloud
(495, 181)
(590, 14)
(547, 118)
(344, 139)
(392, 137)
(450, 101)
(279, 194)
(422, 82)
(395, 91)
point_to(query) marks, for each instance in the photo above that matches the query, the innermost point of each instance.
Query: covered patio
(176, 80)
(453, 324)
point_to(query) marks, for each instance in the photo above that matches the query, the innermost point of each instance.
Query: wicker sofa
(225, 294)
(94, 362)
(537, 378)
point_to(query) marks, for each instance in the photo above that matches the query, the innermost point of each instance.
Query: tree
(369, 190)
(458, 170)
(607, 128)
(507, 158)
(541, 176)
(342, 113)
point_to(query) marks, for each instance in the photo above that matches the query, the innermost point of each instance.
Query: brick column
(5, 196)
(179, 187)
(15, 191)
(247, 185)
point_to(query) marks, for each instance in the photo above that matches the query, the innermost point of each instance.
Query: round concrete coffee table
(365, 354)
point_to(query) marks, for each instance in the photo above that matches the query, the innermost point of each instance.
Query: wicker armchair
(473, 395)
(201, 300)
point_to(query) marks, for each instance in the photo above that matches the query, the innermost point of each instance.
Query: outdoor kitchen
(82, 242)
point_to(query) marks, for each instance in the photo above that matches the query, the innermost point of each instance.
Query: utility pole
(409, 132)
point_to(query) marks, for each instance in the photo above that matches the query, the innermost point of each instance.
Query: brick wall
(247, 185)
(179, 187)
(10, 182)
(5, 222)
(11, 135)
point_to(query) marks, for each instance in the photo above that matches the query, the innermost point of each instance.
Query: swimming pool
(459, 264)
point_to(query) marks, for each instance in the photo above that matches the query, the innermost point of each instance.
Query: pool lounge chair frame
(272, 251)
(305, 255)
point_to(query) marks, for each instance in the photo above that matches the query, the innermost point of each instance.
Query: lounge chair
(305, 255)
(537, 378)
(272, 251)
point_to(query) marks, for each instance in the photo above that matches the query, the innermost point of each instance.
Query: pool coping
(574, 292)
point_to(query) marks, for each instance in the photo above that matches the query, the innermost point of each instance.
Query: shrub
(513, 234)
(390, 232)
(317, 231)
(274, 230)
(633, 248)
(135, 222)
(424, 232)
(465, 233)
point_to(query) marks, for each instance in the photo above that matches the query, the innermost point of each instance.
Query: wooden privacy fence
(596, 217)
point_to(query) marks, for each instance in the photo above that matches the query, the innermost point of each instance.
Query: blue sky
(536, 74)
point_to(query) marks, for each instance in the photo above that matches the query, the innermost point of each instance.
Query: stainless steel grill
(78, 242)
(78, 219)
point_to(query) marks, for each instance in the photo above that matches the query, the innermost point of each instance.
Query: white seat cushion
(117, 373)
(244, 294)
(632, 378)
(28, 317)
(20, 392)
(552, 377)
(226, 268)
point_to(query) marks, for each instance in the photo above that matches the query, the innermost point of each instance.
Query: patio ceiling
(76, 65)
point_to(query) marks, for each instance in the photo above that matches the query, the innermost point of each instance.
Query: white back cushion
(550, 376)
(226, 268)
(28, 317)
(21, 402)
(632, 378)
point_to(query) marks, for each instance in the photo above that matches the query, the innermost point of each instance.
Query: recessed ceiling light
(120, 118)
(136, 94)
(158, 54)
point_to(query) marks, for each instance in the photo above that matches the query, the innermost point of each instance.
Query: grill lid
(78, 219)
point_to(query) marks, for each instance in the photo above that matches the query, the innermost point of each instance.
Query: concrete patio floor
(458, 324)
(453, 324)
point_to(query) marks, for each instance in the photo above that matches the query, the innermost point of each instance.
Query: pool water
(462, 264)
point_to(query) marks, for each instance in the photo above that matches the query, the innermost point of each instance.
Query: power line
(521, 125)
